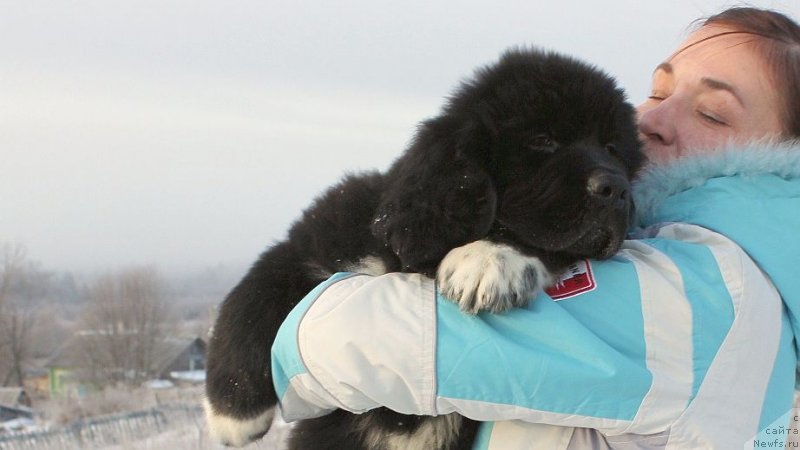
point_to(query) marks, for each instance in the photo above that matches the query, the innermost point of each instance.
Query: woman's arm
(624, 356)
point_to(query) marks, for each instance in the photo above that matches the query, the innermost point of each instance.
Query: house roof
(73, 353)
(10, 396)
(66, 356)
(170, 349)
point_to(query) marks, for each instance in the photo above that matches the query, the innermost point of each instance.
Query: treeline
(119, 318)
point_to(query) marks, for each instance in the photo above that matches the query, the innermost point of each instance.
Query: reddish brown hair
(778, 44)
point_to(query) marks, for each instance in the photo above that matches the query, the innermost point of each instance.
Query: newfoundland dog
(525, 170)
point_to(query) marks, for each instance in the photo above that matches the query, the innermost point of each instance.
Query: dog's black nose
(608, 189)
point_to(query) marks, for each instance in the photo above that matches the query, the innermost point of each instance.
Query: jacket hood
(749, 194)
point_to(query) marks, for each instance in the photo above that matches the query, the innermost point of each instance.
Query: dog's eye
(614, 152)
(542, 142)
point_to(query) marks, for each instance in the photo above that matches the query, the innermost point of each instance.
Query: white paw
(234, 432)
(485, 275)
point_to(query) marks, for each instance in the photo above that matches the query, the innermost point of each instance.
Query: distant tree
(12, 265)
(16, 318)
(124, 324)
(16, 323)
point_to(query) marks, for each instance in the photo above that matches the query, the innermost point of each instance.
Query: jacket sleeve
(618, 355)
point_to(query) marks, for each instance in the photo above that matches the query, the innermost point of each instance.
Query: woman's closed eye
(712, 117)
(658, 96)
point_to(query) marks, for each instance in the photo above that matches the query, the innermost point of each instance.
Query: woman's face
(707, 95)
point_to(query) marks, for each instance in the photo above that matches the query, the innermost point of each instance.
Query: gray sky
(188, 134)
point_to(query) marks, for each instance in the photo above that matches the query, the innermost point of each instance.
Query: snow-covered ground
(163, 428)
(18, 425)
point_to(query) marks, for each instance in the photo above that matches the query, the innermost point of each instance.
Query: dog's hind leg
(240, 398)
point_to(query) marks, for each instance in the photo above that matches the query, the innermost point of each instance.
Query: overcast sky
(187, 134)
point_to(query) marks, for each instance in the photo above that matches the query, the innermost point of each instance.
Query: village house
(179, 360)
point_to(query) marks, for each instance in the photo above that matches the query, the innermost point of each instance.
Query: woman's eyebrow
(718, 85)
(710, 83)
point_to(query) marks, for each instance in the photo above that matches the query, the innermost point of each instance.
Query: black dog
(525, 170)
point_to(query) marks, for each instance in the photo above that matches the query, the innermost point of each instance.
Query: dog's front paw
(230, 431)
(488, 276)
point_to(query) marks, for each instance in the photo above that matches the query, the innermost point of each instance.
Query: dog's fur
(525, 170)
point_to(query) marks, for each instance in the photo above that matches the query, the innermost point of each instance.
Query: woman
(685, 340)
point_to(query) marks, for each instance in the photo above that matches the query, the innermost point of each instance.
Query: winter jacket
(686, 339)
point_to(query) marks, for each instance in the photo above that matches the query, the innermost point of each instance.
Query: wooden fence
(116, 429)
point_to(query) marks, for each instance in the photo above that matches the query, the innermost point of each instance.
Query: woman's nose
(656, 124)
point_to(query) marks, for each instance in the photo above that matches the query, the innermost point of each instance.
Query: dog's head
(559, 142)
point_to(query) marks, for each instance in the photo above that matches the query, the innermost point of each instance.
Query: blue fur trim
(659, 182)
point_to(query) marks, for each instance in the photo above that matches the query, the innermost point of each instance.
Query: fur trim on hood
(658, 182)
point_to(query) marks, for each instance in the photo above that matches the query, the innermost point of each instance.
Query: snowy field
(166, 427)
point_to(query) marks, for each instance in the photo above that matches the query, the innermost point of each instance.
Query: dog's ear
(473, 139)
(439, 196)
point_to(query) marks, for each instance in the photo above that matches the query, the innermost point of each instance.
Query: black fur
(535, 151)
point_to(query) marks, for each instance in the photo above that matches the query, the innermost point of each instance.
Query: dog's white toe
(234, 432)
(485, 275)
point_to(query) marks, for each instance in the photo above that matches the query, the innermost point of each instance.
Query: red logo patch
(577, 279)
